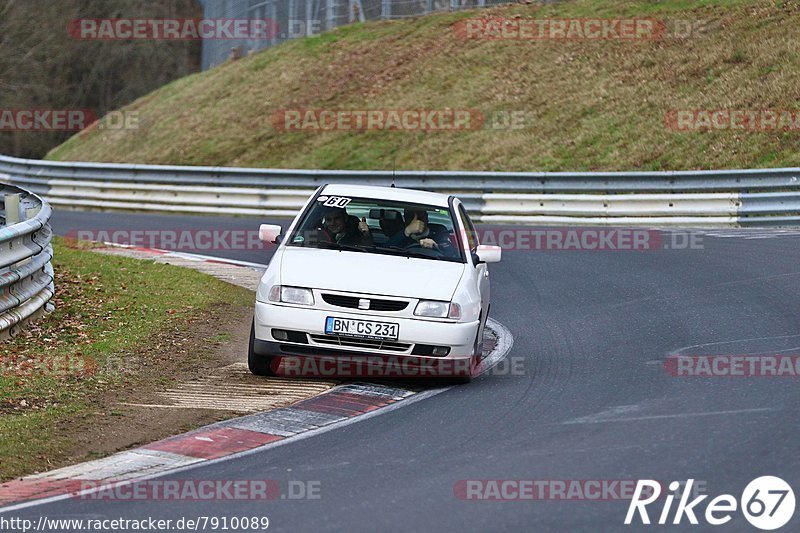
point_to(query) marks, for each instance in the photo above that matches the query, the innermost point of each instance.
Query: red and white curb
(342, 405)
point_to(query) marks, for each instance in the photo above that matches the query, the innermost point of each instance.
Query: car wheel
(464, 379)
(477, 355)
(474, 360)
(260, 365)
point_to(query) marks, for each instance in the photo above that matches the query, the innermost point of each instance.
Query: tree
(43, 67)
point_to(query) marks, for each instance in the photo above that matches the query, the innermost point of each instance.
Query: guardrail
(688, 198)
(26, 274)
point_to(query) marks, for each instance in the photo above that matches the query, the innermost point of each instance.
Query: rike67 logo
(767, 503)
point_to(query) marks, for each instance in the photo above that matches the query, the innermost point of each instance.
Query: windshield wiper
(396, 250)
(341, 247)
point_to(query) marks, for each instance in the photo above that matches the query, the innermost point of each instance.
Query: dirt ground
(109, 425)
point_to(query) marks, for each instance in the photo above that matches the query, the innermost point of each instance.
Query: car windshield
(376, 226)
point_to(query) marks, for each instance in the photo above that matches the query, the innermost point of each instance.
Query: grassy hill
(588, 104)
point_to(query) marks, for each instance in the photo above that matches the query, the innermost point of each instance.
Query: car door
(481, 269)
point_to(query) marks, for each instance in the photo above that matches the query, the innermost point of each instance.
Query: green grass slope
(589, 104)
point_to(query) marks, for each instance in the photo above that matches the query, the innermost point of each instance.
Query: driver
(341, 228)
(417, 232)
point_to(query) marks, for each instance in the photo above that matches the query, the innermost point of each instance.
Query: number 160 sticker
(335, 201)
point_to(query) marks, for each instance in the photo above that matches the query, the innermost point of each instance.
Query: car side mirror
(485, 253)
(270, 233)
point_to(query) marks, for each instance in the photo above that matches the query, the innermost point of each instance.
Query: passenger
(417, 232)
(341, 228)
(391, 222)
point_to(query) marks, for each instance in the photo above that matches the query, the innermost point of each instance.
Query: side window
(472, 234)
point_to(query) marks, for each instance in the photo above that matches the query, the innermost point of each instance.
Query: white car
(374, 271)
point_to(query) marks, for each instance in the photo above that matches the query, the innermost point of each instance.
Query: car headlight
(438, 309)
(291, 295)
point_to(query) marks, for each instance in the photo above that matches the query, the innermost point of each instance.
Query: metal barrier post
(329, 15)
(12, 209)
(309, 25)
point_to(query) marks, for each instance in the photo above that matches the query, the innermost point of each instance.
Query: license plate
(365, 329)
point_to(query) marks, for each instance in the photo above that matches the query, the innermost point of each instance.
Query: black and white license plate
(365, 329)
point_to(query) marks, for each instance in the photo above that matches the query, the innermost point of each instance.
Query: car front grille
(350, 342)
(375, 304)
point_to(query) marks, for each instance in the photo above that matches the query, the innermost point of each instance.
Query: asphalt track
(593, 401)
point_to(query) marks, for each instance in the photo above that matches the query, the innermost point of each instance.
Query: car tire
(477, 350)
(475, 359)
(260, 365)
(477, 354)
(460, 380)
(463, 380)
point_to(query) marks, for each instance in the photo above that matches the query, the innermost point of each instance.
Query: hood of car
(370, 273)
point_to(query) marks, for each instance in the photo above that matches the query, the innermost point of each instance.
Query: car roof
(387, 193)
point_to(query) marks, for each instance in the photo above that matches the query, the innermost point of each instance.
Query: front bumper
(458, 336)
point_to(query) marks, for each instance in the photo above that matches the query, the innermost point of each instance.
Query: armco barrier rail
(688, 198)
(26, 275)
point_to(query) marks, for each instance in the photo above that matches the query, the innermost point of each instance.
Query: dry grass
(592, 105)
